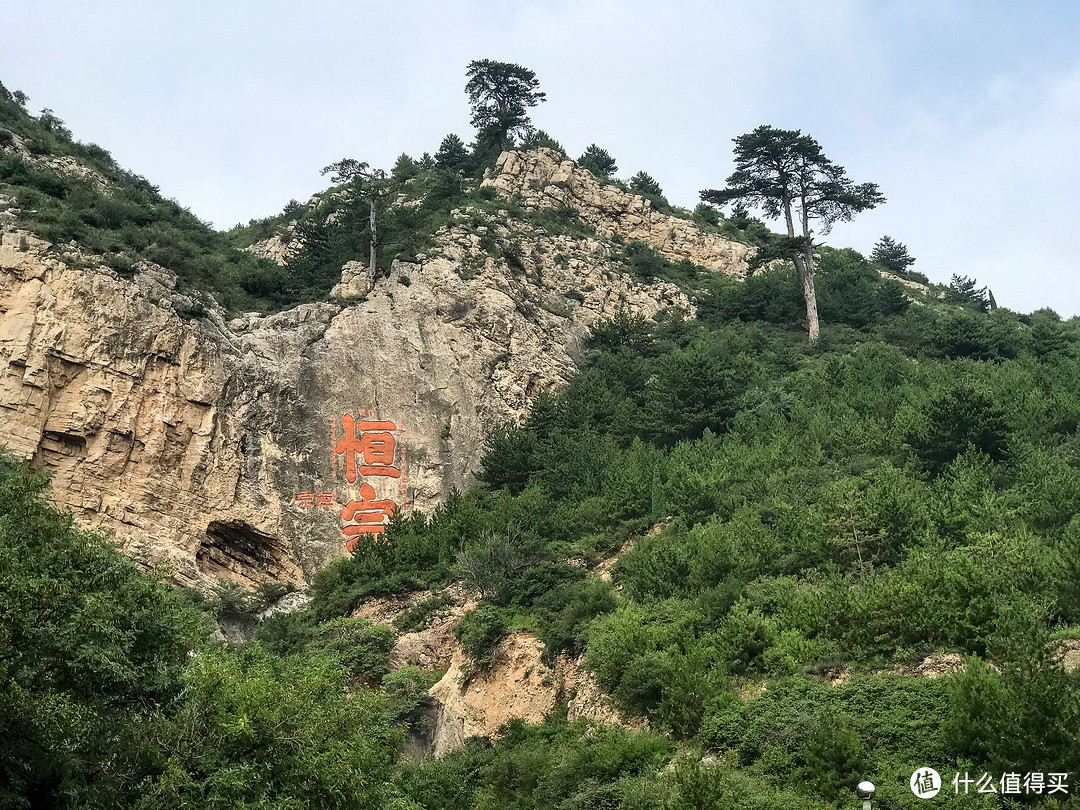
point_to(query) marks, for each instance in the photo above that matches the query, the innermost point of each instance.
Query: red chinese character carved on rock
(324, 499)
(374, 441)
(367, 514)
(305, 499)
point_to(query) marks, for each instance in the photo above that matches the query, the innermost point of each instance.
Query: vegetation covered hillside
(830, 517)
(907, 489)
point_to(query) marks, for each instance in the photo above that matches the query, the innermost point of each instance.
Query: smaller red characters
(324, 499)
(305, 499)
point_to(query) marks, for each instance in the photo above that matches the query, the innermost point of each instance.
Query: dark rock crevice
(237, 551)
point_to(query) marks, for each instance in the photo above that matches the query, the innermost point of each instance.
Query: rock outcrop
(517, 684)
(432, 646)
(278, 248)
(238, 629)
(207, 448)
(1068, 653)
(541, 178)
(253, 449)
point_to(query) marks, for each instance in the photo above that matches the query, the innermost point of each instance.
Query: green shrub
(538, 138)
(257, 730)
(705, 214)
(1021, 714)
(419, 616)
(960, 417)
(480, 632)
(89, 647)
(233, 599)
(358, 645)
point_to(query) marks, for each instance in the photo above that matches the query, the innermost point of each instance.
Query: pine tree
(785, 173)
(598, 161)
(962, 290)
(644, 184)
(452, 154)
(405, 168)
(892, 255)
(500, 95)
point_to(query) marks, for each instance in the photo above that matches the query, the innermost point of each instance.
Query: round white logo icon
(925, 783)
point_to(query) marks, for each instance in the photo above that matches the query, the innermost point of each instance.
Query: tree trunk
(805, 265)
(373, 239)
(806, 276)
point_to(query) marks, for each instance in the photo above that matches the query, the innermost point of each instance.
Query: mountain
(207, 443)
(550, 486)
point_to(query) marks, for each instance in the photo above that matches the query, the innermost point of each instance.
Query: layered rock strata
(541, 178)
(253, 449)
(207, 447)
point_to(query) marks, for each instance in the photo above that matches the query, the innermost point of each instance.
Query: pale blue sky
(967, 114)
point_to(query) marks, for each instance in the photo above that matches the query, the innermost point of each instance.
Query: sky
(965, 113)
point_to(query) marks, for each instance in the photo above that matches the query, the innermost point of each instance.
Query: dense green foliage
(905, 488)
(89, 647)
(336, 228)
(849, 292)
(252, 729)
(111, 697)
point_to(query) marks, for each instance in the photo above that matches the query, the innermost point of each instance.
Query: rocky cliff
(516, 682)
(542, 179)
(253, 449)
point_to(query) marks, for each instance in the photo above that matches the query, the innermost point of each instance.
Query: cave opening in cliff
(237, 551)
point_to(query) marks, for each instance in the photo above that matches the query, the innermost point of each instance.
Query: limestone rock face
(174, 434)
(543, 179)
(1068, 652)
(357, 280)
(516, 685)
(279, 247)
(232, 450)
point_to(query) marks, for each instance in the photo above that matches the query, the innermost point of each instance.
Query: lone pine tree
(785, 173)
